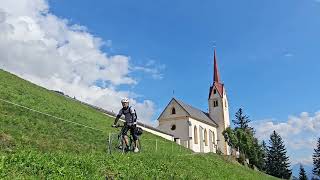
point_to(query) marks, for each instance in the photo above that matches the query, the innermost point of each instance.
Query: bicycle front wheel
(115, 144)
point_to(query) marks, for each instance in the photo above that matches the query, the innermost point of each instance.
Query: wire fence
(49, 115)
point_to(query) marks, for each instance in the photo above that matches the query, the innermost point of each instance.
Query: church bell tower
(219, 108)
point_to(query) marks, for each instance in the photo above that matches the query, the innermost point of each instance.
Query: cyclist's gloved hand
(114, 125)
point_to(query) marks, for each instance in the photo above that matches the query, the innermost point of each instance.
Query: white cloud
(305, 161)
(47, 50)
(299, 133)
(154, 72)
(152, 68)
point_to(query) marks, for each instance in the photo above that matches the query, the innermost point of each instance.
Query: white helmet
(125, 100)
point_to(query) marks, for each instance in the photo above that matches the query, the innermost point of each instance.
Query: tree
(302, 174)
(263, 160)
(277, 162)
(247, 144)
(264, 148)
(316, 161)
(242, 138)
(242, 120)
(256, 154)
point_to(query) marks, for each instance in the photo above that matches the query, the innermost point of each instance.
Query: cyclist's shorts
(132, 131)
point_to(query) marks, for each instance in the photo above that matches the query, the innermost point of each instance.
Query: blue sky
(267, 50)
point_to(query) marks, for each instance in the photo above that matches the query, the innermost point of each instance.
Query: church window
(195, 135)
(213, 138)
(214, 91)
(205, 137)
(215, 103)
(173, 127)
(173, 111)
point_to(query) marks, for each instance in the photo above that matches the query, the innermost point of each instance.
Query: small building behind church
(195, 129)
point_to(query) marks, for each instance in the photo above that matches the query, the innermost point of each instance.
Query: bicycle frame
(121, 143)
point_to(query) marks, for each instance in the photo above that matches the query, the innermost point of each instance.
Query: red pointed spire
(216, 76)
(217, 84)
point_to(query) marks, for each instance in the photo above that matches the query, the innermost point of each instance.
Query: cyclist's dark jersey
(129, 114)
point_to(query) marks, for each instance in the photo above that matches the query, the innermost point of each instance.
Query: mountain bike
(117, 143)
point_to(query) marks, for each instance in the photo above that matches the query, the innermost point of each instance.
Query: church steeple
(218, 106)
(217, 84)
(216, 75)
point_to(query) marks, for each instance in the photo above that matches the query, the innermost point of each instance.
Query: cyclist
(130, 122)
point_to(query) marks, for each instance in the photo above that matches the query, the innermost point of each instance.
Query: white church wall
(196, 147)
(226, 117)
(167, 112)
(181, 127)
(167, 119)
(226, 111)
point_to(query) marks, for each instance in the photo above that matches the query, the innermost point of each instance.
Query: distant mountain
(307, 168)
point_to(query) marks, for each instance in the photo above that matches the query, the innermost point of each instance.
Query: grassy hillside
(34, 146)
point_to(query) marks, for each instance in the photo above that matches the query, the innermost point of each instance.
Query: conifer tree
(264, 150)
(264, 147)
(302, 173)
(277, 162)
(242, 120)
(316, 161)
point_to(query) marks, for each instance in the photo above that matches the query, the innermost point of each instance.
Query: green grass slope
(35, 146)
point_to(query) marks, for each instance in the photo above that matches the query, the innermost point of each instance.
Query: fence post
(171, 147)
(109, 143)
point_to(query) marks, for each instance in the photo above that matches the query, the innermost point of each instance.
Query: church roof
(197, 113)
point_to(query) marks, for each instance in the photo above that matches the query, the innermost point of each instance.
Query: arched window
(205, 137)
(213, 138)
(195, 135)
(215, 103)
(173, 111)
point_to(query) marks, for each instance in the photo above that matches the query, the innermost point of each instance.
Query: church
(195, 129)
